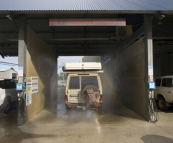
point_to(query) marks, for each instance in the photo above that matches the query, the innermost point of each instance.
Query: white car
(164, 91)
(8, 94)
(79, 87)
(83, 88)
(61, 83)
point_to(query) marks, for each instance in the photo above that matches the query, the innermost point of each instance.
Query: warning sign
(20, 71)
(28, 99)
(31, 84)
(150, 70)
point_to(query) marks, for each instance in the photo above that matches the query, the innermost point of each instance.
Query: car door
(89, 80)
(73, 89)
(167, 89)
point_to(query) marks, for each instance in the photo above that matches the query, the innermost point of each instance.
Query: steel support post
(22, 48)
(22, 42)
(148, 43)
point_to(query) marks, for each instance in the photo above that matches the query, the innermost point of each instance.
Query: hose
(153, 112)
(21, 111)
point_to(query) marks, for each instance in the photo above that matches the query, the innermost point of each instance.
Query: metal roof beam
(130, 40)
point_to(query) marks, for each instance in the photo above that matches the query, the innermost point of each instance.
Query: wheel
(84, 95)
(6, 105)
(162, 103)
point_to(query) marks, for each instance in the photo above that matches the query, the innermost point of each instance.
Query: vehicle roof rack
(84, 66)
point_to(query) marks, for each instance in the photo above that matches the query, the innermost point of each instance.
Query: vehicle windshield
(86, 80)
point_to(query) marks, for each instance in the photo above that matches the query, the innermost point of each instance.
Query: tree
(12, 69)
(62, 76)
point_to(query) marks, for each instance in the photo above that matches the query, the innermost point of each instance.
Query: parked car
(61, 83)
(163, 93)
(8, 94)
(84, 88)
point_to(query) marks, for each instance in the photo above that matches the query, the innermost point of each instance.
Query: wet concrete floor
(84, 126)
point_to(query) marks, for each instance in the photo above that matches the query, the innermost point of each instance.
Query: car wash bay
(125, 61)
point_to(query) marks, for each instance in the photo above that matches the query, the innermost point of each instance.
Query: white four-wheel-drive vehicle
(164, 91)
(83, 86)
(61, 83)
(8, 94)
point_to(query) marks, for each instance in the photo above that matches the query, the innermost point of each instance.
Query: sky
(61, 61)
(67, 59)
(5, 66)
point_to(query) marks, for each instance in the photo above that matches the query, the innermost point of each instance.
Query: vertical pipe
(22, 42)
(22, 47)
(148, 44)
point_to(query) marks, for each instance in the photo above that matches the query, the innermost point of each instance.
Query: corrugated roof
(86, 5)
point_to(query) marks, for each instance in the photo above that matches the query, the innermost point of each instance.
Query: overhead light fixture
(161, 17)
(9, 17)
(158, 16)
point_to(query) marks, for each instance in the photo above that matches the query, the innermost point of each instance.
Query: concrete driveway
(83, 126)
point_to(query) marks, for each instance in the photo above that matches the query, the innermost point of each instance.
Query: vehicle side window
(74, 82)
(89, 80)
(158, 81)
(2, 84)
(10, 84)
(14, 76)
(167, 82)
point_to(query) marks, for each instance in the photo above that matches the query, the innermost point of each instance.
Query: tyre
(83, 92)
(162, 103)
(6, 105)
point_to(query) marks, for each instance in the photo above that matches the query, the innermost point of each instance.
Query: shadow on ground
(119, 112)
(156, 139)
(11, 133)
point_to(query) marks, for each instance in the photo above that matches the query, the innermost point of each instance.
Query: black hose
(21, 111)
(153, 112)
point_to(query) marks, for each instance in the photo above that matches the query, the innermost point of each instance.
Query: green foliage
(12, 68)
(62, 76)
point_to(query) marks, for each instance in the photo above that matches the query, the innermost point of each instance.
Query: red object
(101, 98)
(65, 98)
(88, 22)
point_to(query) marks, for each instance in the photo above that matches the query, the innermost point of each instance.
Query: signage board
(151, 85)
(28, 99)
(19, 87)
(150, 70)
(20, 71)
(31, 84)
(87, 22)
(34, 84)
